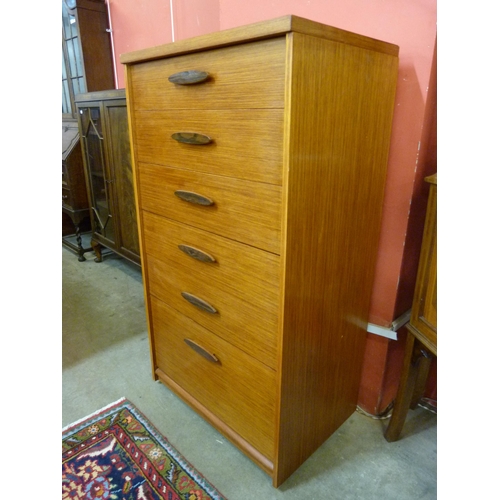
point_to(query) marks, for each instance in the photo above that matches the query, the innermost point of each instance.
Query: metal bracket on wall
(390, 332)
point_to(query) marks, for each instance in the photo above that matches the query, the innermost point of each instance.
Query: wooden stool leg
(405, 392)
(424, 365)
(415, 369)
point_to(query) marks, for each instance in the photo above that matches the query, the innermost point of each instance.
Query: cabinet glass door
(99, 181)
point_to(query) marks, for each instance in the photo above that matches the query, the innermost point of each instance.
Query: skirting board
(391, 332)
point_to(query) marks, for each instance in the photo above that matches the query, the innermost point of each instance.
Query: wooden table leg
(411, 385)
(81, 250)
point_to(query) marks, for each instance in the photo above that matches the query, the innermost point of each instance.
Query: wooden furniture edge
(92, 5)
(422, 339)
(430, 233)
(264, 463)
(432, 179)
(100, 95)
(144, 267)
(263, 29)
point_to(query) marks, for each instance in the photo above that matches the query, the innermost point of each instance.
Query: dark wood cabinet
(87, 65)
(75, 204)
(102, 119)
(86, 51)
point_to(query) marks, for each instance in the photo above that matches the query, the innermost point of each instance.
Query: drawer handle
(188, 77)
(192, 138)
(196, 254)
(202, 351)
(191, 197)
(200, 303)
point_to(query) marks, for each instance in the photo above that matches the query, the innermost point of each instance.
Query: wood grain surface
(255, 135)
(300, 120)
(239, 389)
(260, 31)
(244, 211)
(340, 105)
(248, 76)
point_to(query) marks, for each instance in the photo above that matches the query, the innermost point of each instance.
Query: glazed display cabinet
(104, 134)
(87, 63)
(87, 66)
(75, 205)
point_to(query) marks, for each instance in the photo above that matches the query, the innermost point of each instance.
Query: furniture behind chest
(86, 50)
(105, 142)
(260, 156)
(75, 204)
(86, 66)
(421, 342)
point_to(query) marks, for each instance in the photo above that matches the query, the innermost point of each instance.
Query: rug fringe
(93, 414)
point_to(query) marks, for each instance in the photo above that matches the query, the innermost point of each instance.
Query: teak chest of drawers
(260, 158)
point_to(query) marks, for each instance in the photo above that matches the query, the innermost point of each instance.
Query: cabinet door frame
(115, 176)
(108, 183)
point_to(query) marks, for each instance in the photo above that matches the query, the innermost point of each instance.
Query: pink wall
(195, 17)
(411, 24)
(139, 24)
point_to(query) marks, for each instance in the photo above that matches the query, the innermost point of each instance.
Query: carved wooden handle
(195, 198)
(202, 351)
(200, 303)
(192, 138)
(188, 77)
(196, 254)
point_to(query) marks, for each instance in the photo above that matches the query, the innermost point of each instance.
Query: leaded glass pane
(66, 100)
(72, 54)
(72, 61)
(99, 184)
(78, 86)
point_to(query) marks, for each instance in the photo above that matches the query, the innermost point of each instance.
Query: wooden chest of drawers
(259, 192)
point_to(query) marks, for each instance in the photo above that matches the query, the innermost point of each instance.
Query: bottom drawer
(236, 387)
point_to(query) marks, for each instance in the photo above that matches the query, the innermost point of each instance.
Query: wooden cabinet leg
(97, 250)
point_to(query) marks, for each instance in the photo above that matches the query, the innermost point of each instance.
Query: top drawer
(244, 76)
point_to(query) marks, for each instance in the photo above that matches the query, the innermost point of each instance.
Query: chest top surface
(261, 30)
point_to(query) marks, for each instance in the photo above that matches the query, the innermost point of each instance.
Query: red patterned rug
(117, 454)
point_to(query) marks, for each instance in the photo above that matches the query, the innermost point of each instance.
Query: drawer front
(250, 326)
(247, 144)
(251, 75)
(237, 388)
(226, 263)
(249, 212)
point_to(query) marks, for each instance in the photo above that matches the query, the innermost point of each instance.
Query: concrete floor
(106, 356)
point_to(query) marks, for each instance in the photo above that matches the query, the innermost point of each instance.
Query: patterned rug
(117, 454)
